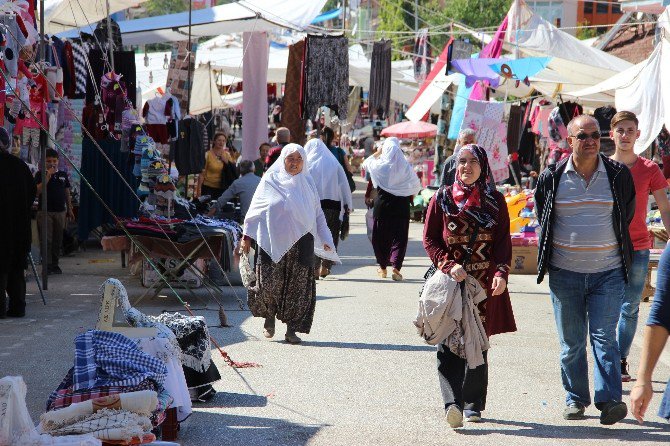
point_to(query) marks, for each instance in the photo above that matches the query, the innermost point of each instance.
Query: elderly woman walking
(467, 233)
(396, 183)
(286, 221)
(333, 188)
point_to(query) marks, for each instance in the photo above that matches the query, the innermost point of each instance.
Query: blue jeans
(631, 301)
(588, 302)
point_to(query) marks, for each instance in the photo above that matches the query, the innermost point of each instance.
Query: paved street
(362, 377)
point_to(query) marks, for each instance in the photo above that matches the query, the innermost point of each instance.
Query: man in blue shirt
(655, 336)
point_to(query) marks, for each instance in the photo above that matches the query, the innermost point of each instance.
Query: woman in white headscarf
(396, 183)
(333, 188)
(286, 221)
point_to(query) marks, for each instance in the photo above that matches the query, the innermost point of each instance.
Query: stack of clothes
(106, 365)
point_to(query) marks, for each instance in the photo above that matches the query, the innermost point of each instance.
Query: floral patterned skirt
(286, 289)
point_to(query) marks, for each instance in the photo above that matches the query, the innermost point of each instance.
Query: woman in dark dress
(453, 214)
(396, 183)
(286, 221)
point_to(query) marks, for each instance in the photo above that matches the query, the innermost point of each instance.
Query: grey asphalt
(361, 377)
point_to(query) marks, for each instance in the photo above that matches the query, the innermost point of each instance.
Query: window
(616, 8)
(588, 7)
(602, 8)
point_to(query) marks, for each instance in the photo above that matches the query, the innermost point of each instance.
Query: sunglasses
(583, 136)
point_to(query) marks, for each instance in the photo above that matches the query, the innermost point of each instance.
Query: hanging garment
(101, 34)
(486, 119)
(80, 50)
(156, 112)
(189, 148)
(391, 171)
(422, 55)
(326, 80)
(15, 40)
(108, 185)
(515, 125)
(113, 95)
(69, 72)
(124, 63)
(291, 113)
(255, 75)
(380, 79)
(604, 117)
(492, 50)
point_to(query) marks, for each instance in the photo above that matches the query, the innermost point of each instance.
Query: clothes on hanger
(113, 96)
(156, 112)
(326, 75)
(124, 62)
(379, 97)
(189, 148)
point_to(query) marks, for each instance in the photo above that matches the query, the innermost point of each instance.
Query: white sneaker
(454, 416)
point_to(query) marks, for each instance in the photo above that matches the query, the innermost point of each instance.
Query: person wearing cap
(17, 193)
(584, 205)
(648, 179)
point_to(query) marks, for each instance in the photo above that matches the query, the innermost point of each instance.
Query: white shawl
(284, 208)
(327, 173)
(391, 171)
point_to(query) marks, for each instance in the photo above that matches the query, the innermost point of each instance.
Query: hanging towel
(380, 78)
(255, 106)
(326, 71)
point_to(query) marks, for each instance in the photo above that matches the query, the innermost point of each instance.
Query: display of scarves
(422, 55)
(380, 79)
(103, 358)
(326, 75)
(193, 337)
(486, 119)
(291, 112)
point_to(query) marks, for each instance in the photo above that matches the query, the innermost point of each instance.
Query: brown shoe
(396, 275)
(324, 272)
(381, 273)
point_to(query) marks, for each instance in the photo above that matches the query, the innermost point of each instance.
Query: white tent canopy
(241, 16)
(62, 15)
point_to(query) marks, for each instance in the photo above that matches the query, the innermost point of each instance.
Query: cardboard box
(524, 260)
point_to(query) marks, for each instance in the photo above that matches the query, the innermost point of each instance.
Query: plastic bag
(246, 270)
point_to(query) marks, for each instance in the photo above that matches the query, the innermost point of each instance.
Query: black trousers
(460, 385)
(13, 285)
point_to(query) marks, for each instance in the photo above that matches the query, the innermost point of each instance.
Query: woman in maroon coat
(453, 214)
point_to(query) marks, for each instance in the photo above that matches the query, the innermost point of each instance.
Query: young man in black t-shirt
(59, 209)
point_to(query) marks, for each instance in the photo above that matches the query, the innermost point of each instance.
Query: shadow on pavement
(230, 399)
(363, 346)
(647, 432)
(210, 428)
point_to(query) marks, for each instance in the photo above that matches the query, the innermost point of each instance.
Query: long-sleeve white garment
(284, 208)
(442, 306)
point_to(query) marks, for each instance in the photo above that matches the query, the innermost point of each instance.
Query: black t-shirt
(56, 200)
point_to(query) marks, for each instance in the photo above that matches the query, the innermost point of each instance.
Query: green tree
(395, 16)
(161, 7)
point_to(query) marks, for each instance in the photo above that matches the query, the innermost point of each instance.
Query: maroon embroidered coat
(446, 239)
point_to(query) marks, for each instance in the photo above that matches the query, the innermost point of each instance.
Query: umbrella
(408, 129)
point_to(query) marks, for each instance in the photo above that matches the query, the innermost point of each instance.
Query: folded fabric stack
(107, 365)
(16, 426)
(121, 419)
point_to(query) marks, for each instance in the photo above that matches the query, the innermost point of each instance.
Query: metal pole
(416, 16)
(190, 58)
(110, 42)
(43, 164)
(344, 16)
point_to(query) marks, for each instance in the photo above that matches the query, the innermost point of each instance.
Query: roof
(633, 43)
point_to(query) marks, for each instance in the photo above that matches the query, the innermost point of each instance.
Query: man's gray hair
(246, 167)
(467, 132)
(573, 123)
(283, 135)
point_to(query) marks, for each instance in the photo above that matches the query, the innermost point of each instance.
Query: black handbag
(344, 227)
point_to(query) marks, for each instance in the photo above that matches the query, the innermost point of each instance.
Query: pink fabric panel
(255, 99)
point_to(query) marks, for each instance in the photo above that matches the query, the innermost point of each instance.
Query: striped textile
(80, 51)
(105, 359)
(583, 238)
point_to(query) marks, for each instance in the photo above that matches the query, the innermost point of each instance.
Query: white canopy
(643, 89)
(62, 15)
(241, 16)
